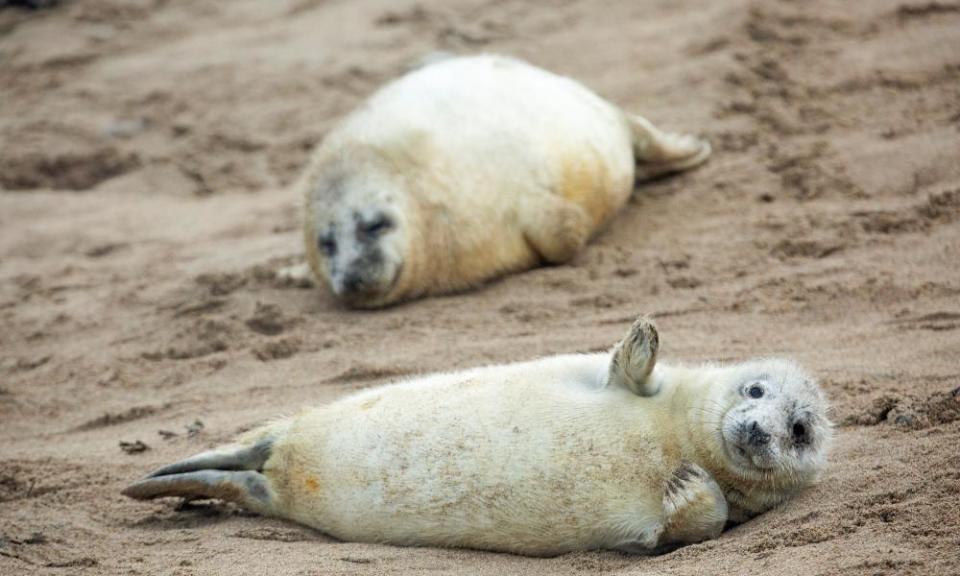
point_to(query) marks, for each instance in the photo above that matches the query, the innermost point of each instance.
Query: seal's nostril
(352, 282)
(757, 436)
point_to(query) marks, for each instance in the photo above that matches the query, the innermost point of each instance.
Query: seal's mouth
(373, 295)
(739, 451)
(747, 458)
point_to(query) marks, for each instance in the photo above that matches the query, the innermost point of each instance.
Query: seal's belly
(505, 465)
(599, 184)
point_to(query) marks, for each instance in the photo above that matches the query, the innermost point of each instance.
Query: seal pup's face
(359, 227)
(775, 422)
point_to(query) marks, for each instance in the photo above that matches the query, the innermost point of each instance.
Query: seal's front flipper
(694, 506)
(634, 357)
(556, 229)
(231, 474)
(298, 275)
(658, 153)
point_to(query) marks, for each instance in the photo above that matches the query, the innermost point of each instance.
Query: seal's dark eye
(376, 227)
(327, 244)
(755, 391)
(799, 433)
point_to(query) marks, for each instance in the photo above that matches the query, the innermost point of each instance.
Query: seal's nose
(353, 282)
(757, 435)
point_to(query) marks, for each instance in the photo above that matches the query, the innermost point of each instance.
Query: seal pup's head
(356, 231)
(768, 427)
(775, 419)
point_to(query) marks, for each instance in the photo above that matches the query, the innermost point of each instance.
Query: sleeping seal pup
(468, 168)
(575, 452)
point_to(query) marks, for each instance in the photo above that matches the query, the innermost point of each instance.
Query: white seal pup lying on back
(544, 457)
(467, 169)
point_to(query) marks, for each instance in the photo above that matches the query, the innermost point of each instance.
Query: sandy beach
(146, 148)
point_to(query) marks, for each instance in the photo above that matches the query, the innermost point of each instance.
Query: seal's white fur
(482, 165)
(538, 458)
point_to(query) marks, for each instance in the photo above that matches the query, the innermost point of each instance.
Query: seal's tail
(234, 474)
(658, 153)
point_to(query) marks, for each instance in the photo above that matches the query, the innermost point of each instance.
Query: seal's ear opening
(634, 357)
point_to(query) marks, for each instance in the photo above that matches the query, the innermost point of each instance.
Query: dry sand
(144, 151)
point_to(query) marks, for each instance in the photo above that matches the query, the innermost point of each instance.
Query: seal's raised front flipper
(231, 474)
(634, 357)
(658, 153)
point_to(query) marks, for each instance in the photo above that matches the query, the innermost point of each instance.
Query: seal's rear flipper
(658, 153)
(247, 488)
(251, 457)
(231, 474)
